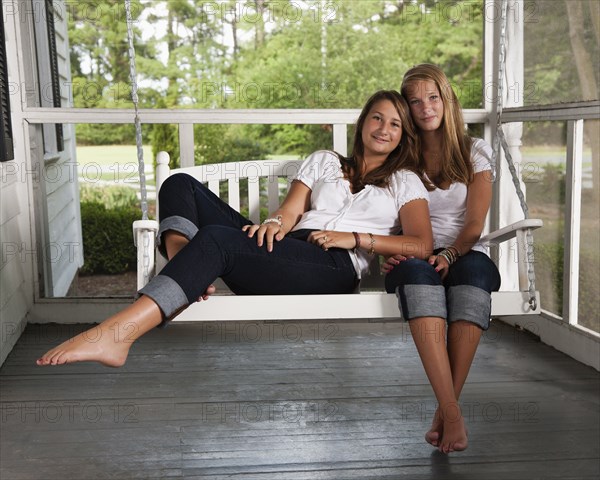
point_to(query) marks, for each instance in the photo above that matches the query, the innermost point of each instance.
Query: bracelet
(448, 255)
(357, 240)
(371, 245)
(276, 220)
(445, 255)
(455, 251)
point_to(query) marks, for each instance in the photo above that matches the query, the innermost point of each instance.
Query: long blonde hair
(404, 156)
(456, 143)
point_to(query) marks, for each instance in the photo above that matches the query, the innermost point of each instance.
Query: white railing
(186, 118)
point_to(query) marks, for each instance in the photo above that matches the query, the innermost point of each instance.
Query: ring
(326, 239)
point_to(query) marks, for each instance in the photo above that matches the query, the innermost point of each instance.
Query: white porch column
(508, 205)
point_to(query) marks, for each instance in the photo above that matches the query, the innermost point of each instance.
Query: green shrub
(104, 134)
(108, 238)
(213, 144)
(589, 275)
(109, 196)
(549, 186)
(549, 258)
(549, 269)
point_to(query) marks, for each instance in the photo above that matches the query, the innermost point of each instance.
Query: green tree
(587, 74)
(100, 64)
(338, 58)
(278, 54)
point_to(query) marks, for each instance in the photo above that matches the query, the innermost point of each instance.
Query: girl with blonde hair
(447, 298)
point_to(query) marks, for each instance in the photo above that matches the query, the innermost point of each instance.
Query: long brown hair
(404, 156)
(456, 143)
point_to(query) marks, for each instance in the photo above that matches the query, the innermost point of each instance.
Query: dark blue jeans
(465, 294)
(219, 248)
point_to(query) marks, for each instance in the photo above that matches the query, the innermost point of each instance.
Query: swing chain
(138, 124)
(146, 262)
(500, 142)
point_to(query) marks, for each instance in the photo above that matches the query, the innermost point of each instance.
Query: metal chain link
(146, 266)
(138, 124)
(500, 141)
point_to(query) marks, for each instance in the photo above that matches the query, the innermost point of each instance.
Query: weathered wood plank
(333, 401)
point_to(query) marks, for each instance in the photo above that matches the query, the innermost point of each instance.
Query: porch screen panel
(589, 253)
(562, 56)
(543, 169)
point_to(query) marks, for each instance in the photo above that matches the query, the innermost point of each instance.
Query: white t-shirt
(447, 207)
(334, 207)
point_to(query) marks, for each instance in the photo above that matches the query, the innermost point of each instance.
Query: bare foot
(99, 344)
(109, 342)
(432, 437)
(454, 438)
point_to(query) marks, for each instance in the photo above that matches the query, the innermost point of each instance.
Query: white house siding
(61, 230)
(58, 212)
(40, 227)
(16, 215)
(18, 254)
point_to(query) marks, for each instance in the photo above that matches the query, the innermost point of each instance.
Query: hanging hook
(533, 302)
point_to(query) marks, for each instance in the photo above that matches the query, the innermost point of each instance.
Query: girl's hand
(392, 261)
(209, 291)
(266, 233)
(441, 265)
(327, 239)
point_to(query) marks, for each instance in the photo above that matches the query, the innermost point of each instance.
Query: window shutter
(54, 70)
(6, 136)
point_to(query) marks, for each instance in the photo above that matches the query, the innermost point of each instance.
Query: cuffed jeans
(219, 248)
(465, 294)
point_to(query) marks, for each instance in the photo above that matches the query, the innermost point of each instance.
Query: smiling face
(426, 106)
(382, 129)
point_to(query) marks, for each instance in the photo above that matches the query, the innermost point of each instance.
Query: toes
(58, 358)
(46, 359)
(53, 360)
(459, 446)
(432, 438)
(456, 446)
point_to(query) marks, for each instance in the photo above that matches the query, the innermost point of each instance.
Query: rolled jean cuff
(421, 301)
(167, 294)
(471, 304)
(178, 224)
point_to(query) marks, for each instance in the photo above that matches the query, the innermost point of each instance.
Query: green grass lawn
(113, 163)
(118, 163)
(111, 155)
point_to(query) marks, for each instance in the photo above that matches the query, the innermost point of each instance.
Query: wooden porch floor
(292, 401)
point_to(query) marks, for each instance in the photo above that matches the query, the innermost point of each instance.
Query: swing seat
(265, 182)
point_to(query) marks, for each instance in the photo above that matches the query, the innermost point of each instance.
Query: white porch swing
(374, 303)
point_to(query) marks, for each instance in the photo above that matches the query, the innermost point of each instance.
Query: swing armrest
(510, 231)
(143, 226)
(144, 238)
(524, 257)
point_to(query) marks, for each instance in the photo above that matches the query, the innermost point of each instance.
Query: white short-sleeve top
(333, 206)
(447, 208)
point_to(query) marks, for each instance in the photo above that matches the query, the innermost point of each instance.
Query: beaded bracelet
(371, 245)
(276, 220)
